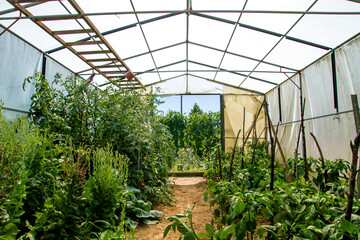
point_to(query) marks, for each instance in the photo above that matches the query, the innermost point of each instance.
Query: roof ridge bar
(278, 42)
(243, 56)
(263, 31)
(192, 12)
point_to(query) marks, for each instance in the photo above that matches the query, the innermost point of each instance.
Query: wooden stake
(354, 149)
(233, 155)
(219, 157)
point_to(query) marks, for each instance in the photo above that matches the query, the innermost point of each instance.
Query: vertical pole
(43, 67)
(181, 103)
(355, 105)
(334, 76)
(279, 97)
(222, 119)
(306, 175)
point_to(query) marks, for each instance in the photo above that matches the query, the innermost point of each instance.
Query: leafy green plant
(106, 187)
(139, 210)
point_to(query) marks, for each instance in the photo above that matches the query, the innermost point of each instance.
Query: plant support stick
(354, 149)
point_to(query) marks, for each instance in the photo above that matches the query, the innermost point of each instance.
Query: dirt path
(186, 191)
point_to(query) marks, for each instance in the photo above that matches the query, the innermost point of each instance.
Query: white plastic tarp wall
(334, 128)
(19, 60)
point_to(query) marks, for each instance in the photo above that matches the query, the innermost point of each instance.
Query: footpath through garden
(186, 191)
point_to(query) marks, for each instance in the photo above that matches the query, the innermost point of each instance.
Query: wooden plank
(73, 31)
(102, 59)
(30, 1)
(83, 43)
(76, 6)
(113, 72)
(49, 31)
(94, 52)
(109, 66)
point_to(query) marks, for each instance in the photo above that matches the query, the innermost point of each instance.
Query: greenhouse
(86, 152)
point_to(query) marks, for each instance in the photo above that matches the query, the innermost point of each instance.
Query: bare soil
(186, 191)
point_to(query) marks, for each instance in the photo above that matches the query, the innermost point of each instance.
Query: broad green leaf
(209, 229)
(309, 212)
(314, 229)
(155, 213)
(140, 213)
(130, 223)
(189, 236)
(348, 226)
(182, 227)
(239, 207)
(224, 233)
(9, 231)
(150, 221)
(240, 230)
(202, 235)
(166, 231)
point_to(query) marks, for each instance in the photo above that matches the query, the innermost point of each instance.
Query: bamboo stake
(243, 145)
(354, 149)
(233, 155)
(219, 157)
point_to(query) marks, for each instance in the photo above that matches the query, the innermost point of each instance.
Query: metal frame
(113, 60)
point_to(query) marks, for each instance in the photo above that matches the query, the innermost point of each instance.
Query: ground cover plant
(246, 207)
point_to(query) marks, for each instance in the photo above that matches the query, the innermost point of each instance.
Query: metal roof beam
(11, 10)
(263, 31)
(202, 11)
(164, 66)
(278, 42)
(243, 56)
(118, 30)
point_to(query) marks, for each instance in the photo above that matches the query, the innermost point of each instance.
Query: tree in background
(176, 121)
(199, 130)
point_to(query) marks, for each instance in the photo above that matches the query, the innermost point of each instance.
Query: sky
(206, 103)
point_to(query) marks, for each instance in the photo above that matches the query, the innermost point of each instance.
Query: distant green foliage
(199, 130)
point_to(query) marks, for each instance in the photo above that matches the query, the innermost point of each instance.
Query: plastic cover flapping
(333, 128)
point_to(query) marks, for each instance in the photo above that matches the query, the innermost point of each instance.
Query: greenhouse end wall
(333, 127)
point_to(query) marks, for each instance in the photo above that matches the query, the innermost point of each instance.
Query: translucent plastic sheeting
(234, 117)
(333, 128)
(192, 85)
(53, 68)
(19, 60)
